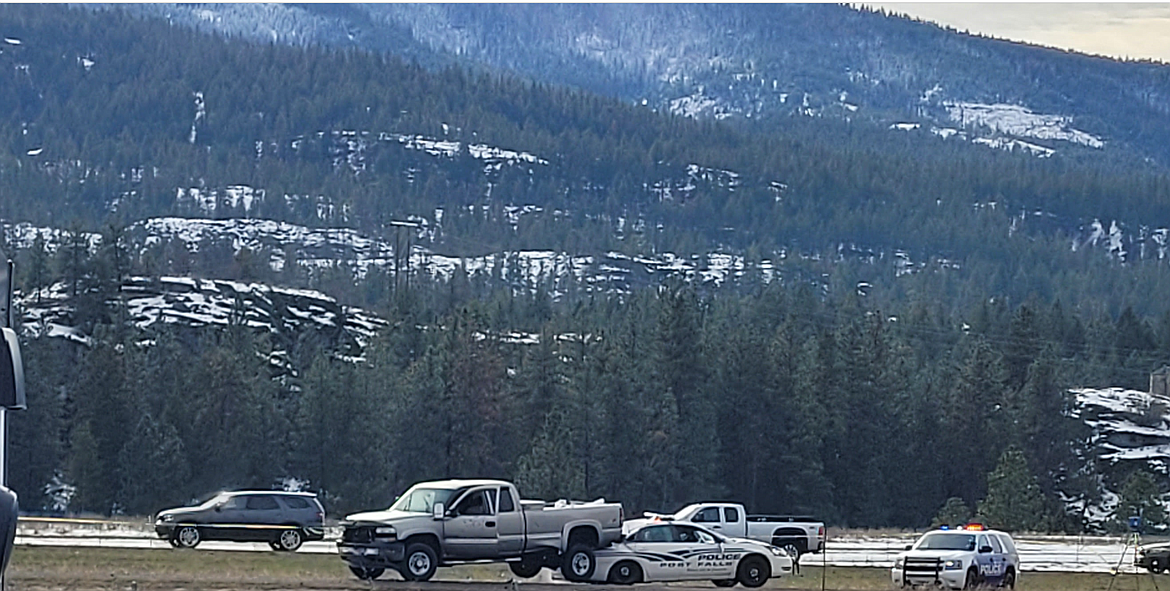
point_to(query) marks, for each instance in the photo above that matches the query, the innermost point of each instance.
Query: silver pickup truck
(460, 521)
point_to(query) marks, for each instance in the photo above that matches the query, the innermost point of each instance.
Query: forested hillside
(424, 273)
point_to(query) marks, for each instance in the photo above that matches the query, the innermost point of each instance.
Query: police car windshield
(947, 541)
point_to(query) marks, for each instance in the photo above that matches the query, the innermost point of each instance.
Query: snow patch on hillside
(1019, 121)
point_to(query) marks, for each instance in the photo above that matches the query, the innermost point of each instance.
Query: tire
(725, 583)
(366, 574)
(289, 540)
(753, 571)
(188, 536)
(526, 567)
(274, 545)
(625, 573)
(1156, 566)
(578, 564)
(1009, 579)
(972, 580)
(421, 562)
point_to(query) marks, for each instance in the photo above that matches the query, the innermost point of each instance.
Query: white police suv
(960, 558)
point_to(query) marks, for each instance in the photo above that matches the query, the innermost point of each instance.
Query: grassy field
(36, 568)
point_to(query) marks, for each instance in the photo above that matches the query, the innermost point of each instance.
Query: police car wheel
(625, 573)
(725, 583)
(1156, 565)
(753, 571)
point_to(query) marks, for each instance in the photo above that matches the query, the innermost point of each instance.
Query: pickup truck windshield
(941, 541)
(422, 500)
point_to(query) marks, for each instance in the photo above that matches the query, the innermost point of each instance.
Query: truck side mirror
(438, 511)
(8, 514)
(11, 372)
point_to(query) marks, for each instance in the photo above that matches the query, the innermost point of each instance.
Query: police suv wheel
(421, 563)
(972, 580)
(1009, 579)
(753, 571)
(578, 564)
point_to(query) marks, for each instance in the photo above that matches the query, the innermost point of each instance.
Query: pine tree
(1014, 501)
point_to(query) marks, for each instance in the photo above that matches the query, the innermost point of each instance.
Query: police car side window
(658, 533)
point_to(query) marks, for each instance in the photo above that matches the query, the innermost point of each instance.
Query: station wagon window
(506, 504)
(234, 503)
(731, 514)
(475, 503)
(261, 503)
(708, 515)
(296, 503)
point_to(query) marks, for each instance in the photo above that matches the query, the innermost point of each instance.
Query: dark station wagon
(283, 519)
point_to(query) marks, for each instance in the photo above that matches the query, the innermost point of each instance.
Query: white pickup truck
(798, 535)
(460, 521)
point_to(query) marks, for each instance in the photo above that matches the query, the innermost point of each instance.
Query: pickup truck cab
(459, 521)
(796, 535)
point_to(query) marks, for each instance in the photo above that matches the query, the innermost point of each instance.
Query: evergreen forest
(898, 345)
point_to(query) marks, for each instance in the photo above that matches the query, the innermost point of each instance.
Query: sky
(1121, 30)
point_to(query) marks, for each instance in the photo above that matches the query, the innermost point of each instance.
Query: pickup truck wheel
(421, 562)
(187, 536)
(625, 573)
(725, 583)
(526, 567)
(366, 574)
(578, 564)
(753, 571)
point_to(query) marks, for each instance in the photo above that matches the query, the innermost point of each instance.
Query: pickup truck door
(509, 524)
(470, 531)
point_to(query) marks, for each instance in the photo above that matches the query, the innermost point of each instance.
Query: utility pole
(11, 398)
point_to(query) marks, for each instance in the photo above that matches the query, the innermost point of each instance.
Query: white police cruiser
(959, 559)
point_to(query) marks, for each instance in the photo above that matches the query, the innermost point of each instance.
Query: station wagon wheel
(625, 573)
(290, 540)
(753, 571)
(421, 562)
(187, 536)
(366, 574)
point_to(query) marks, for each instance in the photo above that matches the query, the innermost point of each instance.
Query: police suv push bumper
(931, 568)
